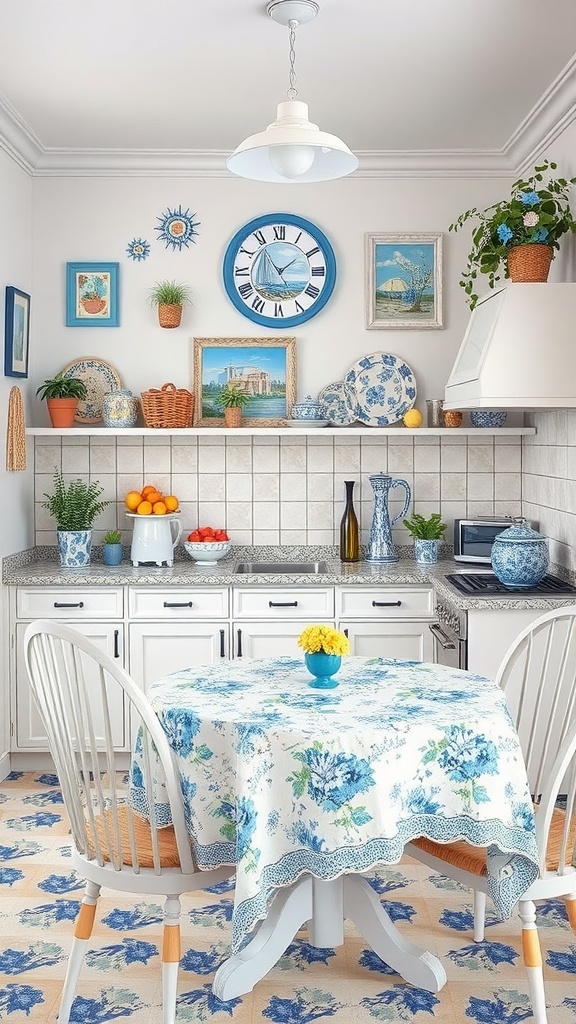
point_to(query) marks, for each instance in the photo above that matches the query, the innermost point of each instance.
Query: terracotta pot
(169, 315)
(529, 263)
(233, 416)
(62, 411)
(93, 305)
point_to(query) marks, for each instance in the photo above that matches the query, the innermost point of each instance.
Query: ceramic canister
(120, 408)
(307, 409)
(520, 556)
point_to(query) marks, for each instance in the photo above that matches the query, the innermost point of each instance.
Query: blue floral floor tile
(40, 893)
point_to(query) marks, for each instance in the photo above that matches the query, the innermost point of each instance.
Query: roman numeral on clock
(280, 233)
(312, 291)
(318, 271)
(278, 311)
(258, 304)
(245, 290)
(259, 237)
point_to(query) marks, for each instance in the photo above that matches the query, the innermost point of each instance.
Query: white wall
(16, 531)
(94, 218)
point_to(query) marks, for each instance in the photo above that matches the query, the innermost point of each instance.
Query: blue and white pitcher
(381, 547)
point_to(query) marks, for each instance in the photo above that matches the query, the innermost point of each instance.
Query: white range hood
(519, 351)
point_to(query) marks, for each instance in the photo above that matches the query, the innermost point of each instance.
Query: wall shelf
(95, 431)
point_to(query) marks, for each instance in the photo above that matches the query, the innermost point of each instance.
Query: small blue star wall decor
(138, 249)
(177, 228)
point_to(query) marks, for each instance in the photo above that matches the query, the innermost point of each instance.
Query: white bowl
(209, 553)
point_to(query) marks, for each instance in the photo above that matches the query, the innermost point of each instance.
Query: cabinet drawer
(178, 602)
(69, 603)
(284, 602)
(385, 602)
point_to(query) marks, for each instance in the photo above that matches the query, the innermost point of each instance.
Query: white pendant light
(292, 149)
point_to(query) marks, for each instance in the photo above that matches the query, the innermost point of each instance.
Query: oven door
(449, 649)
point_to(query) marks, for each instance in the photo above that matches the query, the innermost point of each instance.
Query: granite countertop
(40, 567)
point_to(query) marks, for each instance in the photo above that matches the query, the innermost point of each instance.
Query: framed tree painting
(264, 368)
(16, 333)
(92, 295)
(403, 281)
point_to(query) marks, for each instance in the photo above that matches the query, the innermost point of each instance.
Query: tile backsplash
(268, 489)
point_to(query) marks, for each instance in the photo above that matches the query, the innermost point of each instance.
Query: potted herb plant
(518, 235)
(74, 507)
(233, 399)
(427, 534)
(169, 297)
(62, 395)
(112, 548)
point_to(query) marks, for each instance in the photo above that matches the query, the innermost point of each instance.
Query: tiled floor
(350, 985)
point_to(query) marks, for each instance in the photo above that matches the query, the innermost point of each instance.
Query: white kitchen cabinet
(387, 621)
(269, 620)
(490, 633)
(267, 639)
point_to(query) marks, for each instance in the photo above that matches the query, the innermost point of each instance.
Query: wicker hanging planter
(169, 315)
(529, 262)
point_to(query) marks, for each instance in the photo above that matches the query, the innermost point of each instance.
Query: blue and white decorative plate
(385, 388)
(100, 378)
(338, 404)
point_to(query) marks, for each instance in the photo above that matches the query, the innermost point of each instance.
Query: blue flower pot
(426, 550)
(112, 554)
(323, 666)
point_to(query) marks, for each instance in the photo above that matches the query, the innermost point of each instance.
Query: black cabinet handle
(116, 643)
(177, 604)
(386, 604)
(239, 644)
(282, 604)
(222, 651)
(61, 604)
(345, 632)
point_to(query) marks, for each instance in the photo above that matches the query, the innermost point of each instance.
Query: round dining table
(307, 790)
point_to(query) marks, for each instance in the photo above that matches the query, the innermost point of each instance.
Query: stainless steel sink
(283, 568)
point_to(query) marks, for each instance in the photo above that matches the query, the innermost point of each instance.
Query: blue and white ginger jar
(307, 409)
(520, 556)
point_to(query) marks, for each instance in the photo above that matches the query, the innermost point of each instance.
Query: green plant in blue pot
(323, 648)
(112, 548)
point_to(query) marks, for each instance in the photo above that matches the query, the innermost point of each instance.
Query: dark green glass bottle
(349, 533)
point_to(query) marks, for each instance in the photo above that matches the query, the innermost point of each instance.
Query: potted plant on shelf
(518, 235)
(62, 395)
(74, 506)
(112, 548)
(233, 399)
(427, 534)
(169, 297)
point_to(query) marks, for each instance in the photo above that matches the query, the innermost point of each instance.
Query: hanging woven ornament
(16, 433)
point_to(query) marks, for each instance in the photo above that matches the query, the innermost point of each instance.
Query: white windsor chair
(73, 682)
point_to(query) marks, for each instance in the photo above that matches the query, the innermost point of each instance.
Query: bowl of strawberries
(206, 545)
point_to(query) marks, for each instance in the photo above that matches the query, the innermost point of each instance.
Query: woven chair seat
(473, 858)
(107, 833)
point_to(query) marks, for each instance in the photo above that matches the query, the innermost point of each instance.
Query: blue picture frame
(16, 333)
(92, 295)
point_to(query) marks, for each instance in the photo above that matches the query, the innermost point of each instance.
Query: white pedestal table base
(325, 905)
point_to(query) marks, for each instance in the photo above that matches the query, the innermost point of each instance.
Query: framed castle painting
(263, 368)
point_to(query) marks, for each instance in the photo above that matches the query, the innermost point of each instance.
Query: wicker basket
(167, 406)
(529, 262)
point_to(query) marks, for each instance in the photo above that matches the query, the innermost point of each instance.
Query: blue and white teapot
(520, 556)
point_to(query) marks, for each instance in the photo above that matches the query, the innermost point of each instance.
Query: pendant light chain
(292, 91)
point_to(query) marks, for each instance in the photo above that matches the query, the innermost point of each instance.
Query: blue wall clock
(279, 270)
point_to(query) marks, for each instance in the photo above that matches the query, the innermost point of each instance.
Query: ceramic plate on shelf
(385, 388)
(338, 404)
(100, 378)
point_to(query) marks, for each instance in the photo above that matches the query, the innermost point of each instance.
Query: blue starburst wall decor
(138, 249)
(177, 228)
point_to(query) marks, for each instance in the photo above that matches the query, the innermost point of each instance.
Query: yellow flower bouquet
(325, 639)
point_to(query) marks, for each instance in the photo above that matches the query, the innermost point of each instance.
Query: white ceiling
(390, 77)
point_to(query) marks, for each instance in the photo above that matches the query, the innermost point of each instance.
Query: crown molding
(555, 110)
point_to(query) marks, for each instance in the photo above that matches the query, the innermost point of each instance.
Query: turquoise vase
(323, 666)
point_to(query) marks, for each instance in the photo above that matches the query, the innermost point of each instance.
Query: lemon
(412, 418)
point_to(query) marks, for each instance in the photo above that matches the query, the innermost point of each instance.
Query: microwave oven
(473, 538)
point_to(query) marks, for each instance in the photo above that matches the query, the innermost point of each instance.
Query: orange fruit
(159, 508)
(132, 500)
(153, 496)
(147, 490)
(171, 502)
(144, 508)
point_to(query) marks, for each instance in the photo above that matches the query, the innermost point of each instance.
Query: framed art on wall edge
(92, 295)
(265, 368)
(16, 333)
(403, 281)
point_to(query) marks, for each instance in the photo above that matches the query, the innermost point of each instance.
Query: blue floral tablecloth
(282, 779)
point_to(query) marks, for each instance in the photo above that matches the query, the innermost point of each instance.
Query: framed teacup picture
(262, 368)
(16, 333)
(403, 281)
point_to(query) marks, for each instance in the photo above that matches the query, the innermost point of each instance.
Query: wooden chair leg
(571, 911)
(82, 932)
(170, 958)
(479, 914)
(532, 955)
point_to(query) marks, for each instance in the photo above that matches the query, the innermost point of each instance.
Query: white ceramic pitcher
(154, 538)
